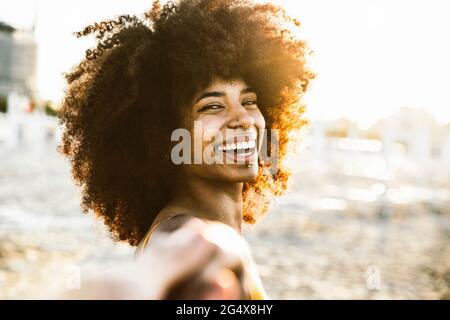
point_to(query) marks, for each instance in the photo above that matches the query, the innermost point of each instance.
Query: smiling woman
(230, 142)
(226, 65)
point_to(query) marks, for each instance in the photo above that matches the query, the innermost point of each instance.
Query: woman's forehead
(219, 83)
(220, 87)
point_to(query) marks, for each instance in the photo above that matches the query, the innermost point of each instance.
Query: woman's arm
(186, 258)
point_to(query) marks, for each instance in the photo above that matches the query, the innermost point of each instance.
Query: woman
(230, 68)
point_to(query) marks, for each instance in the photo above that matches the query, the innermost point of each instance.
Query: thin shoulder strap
(146, 238)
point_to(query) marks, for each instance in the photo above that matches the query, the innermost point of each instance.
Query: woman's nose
(240, 118)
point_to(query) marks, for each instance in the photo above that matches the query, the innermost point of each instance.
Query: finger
(226, 286)
(200, 255)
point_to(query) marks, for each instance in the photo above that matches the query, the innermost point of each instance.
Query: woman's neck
(208, 199)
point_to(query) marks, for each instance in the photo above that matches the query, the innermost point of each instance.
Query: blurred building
(417, 134)
(411, 134)
(18, 61)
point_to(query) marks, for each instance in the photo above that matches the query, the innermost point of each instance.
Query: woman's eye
(249, 102)
(211, 107)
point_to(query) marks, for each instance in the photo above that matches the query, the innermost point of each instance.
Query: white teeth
(240, 145)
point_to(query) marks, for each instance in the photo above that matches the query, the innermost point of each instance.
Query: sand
(333, 236)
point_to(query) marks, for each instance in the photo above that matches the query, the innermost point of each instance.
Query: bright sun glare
(372, 58)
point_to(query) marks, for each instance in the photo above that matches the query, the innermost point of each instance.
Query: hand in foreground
(199, 260)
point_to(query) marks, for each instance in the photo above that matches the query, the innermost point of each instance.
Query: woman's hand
(199, 260)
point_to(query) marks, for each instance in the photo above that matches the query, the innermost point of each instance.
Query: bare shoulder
(173, 223)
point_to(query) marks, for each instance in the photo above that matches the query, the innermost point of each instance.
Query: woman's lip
(242, 158)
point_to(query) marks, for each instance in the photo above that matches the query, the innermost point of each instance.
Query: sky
(371, 57)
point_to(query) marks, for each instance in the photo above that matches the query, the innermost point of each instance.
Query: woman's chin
(242, 172)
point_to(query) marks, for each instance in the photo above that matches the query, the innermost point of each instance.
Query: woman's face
(226, 121)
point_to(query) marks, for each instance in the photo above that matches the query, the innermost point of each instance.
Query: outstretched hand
(199, 260)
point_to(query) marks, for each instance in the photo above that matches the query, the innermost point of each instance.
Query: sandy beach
(319, 241)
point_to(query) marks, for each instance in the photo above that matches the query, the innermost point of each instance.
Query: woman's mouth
(243, 152)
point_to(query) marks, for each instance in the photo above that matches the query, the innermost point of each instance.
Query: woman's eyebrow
(248, 90)
(210, 94)
(221, 94)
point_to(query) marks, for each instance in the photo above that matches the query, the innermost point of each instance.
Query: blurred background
(368, 212)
